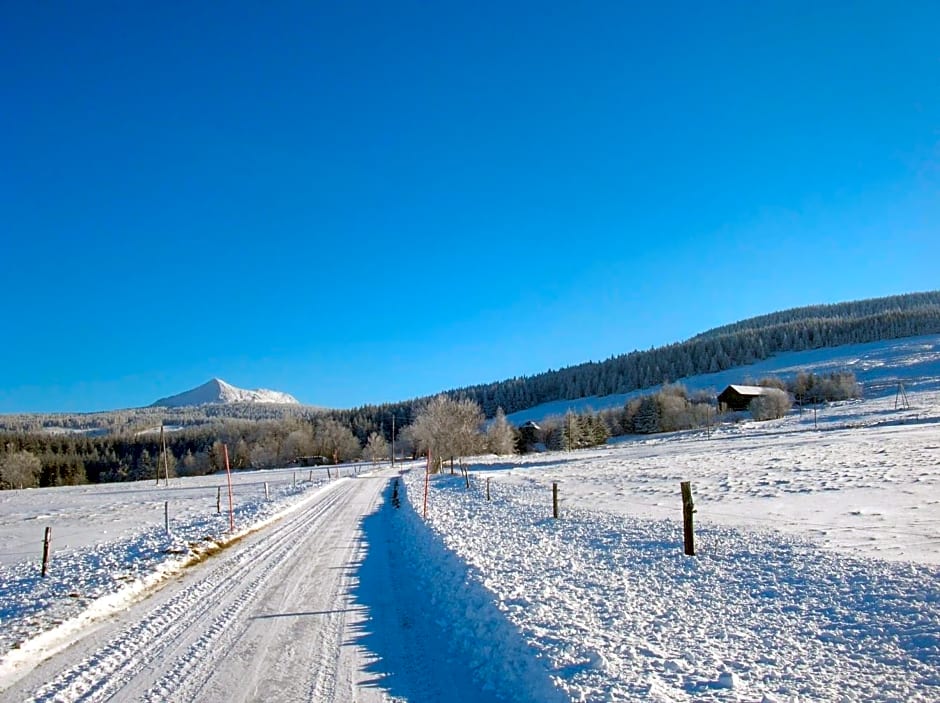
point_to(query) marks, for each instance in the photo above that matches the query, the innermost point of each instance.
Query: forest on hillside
(717, 350)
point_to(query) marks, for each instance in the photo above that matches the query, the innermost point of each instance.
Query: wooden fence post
(688, 508)
(487, 487)
(555, 500)
(267, 495)
(427, 483)
(295, 480)
(166, 516)
(45, 551)
(218, 501)
(231, 498)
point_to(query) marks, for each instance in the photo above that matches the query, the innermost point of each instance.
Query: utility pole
(166, 459)
(393, 440)
(900, 398)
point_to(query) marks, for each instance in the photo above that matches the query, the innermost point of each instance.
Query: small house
(529, 436)
(736, 397)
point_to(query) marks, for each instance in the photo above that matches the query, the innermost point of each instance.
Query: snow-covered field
(817, 576)
(110, 540)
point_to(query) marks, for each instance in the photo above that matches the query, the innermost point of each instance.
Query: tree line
(264, 435)
(445, 429)
(719, 349)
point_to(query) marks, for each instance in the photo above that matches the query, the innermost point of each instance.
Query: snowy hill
(878, 366)
(218, 391)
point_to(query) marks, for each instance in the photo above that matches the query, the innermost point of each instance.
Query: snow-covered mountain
(218, 391)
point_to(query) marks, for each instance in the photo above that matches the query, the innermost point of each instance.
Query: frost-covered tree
(187, 465)
(500, 438)
(772, 404)
(772, 382)
(405, 444)
(264, 456)
(19, 469)
(297, 444)
(146, 466)
(334, 440)
(839, 385)
(598, 431)
(449, 428)
(217, 454)
(376, 448)
(574, 434)
(241, 457)
(166, 464)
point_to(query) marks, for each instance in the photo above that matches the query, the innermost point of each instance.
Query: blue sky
(367, 202)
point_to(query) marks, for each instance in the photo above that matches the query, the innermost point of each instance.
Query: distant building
(739, 397)
(529, 437)
(313, 460)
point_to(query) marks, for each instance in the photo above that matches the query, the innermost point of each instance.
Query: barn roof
(748, 390)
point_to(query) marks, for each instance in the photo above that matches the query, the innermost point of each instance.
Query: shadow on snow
(433, 633)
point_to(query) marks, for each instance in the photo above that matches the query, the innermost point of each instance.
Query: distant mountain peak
(217, 391)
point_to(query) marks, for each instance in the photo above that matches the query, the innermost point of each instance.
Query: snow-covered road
(338, 596)
(269, 618)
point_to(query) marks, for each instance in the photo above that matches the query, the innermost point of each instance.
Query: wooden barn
(739, 397)
(529, 436)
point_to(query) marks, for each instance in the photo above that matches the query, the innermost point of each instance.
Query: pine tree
(646, 420)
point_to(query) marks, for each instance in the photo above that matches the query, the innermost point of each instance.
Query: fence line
(704, 514)
(191, 512)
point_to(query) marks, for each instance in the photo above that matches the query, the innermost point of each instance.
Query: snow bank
(444, 609)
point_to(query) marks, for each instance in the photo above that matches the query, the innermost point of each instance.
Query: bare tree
(167, 467)
(334, 440)
(264, 455)
(19, 469)
(217, 456)
(499, 436)
(298, 443)
(449, 428)
(772, 404)
(405, 444)
(376, 448)
(193, 464)
(241, 457)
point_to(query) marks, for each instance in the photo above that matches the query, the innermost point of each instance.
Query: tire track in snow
(326, 684)
(236, 580)
(187, 682)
